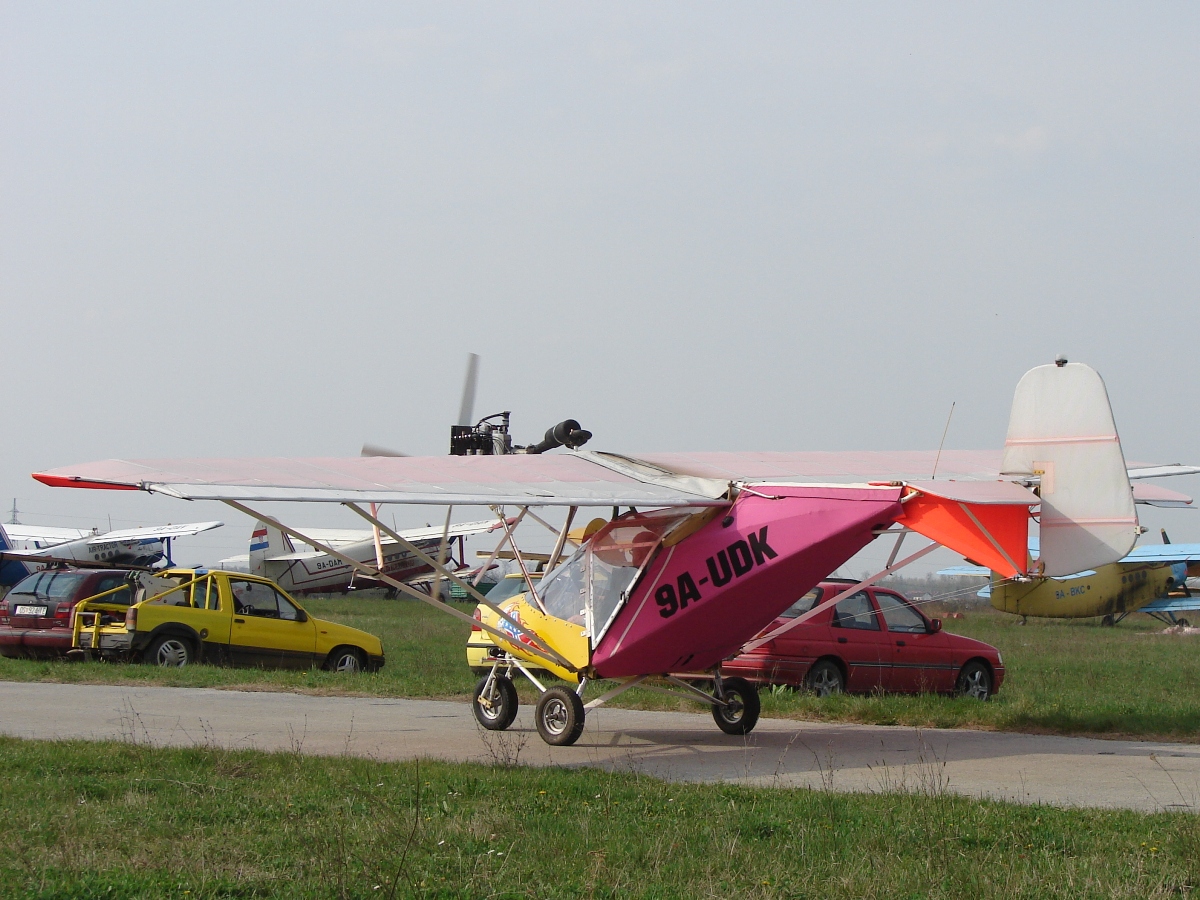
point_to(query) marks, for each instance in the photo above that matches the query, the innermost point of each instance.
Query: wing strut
(800, 620)
(491, 559)
(442, 547)
(549, 655)
(499, 510)
(562, 539)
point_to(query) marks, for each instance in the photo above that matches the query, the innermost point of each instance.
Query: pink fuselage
(702, 599)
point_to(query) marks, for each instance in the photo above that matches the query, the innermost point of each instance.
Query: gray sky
(277, 229)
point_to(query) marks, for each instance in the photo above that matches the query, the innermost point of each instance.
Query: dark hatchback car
(875, 639)
(35, 616)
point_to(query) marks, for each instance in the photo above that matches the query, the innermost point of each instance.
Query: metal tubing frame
(491, 559)
(548, 654)
(614, 692)
(442, 547)
(544, 523)
(690, 692)
(800, 620)
(517, 553)
(562, 538)
(378, 540)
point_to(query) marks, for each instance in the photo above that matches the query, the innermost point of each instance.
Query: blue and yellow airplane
(1151, 579)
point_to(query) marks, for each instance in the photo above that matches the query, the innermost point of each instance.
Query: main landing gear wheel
(739, 713)
(559, 716)
(496, 710)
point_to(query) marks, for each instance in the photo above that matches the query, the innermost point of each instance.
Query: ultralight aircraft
(713, 545)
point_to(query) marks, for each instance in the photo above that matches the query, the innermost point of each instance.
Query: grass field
(1063, 677)
(119, 820)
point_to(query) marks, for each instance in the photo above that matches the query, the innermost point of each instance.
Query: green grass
(1067, 677)
(112, 820)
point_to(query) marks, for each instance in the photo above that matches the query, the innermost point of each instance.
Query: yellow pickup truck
(225, 618)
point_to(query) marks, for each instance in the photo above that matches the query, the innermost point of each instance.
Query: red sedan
(874, 639)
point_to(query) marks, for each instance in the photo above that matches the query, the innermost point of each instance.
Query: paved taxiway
(672, 746)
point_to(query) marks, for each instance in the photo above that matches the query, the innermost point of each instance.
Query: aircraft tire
(504, 702)
(559, 716)
(739, 714)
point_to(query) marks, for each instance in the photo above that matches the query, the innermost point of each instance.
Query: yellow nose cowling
(565, 638)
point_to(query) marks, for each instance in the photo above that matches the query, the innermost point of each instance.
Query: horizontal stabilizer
(973, 571)
(1153, 495)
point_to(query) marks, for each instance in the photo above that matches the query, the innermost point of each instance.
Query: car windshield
(803, 605)
(50, 585)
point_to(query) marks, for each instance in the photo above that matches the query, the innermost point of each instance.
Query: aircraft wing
(1151, 553)
(44, 533)
(568, 479)
(155, 532)
(1144, 470)
(1173, 553)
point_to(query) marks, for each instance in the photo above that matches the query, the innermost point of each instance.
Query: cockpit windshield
(592, 585)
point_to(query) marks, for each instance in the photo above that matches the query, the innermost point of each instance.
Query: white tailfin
(1061, 429)
(267, 541)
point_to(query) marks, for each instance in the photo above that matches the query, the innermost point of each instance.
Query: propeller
(376, 450)
(466, 409)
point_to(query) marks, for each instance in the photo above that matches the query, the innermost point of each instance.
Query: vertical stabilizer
(1061, 429)
(266, 541)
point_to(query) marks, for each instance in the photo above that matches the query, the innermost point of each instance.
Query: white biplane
(714, 545)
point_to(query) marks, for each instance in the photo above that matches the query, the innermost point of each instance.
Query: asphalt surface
(671, 746)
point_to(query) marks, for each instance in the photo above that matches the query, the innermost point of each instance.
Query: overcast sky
(277, 229)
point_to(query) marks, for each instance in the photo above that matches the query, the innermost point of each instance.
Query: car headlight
(999, 660)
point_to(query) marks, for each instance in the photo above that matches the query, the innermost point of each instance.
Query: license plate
(30, 611)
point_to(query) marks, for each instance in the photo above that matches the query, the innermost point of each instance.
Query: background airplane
(1150, 579)
(274, 555)
(26, 548)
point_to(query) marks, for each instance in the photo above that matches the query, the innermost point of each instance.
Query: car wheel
(825, 679)
(497, 710)
(559, 715)
(739, 713)
(975, 680)
(348, 660)
(170, 652)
